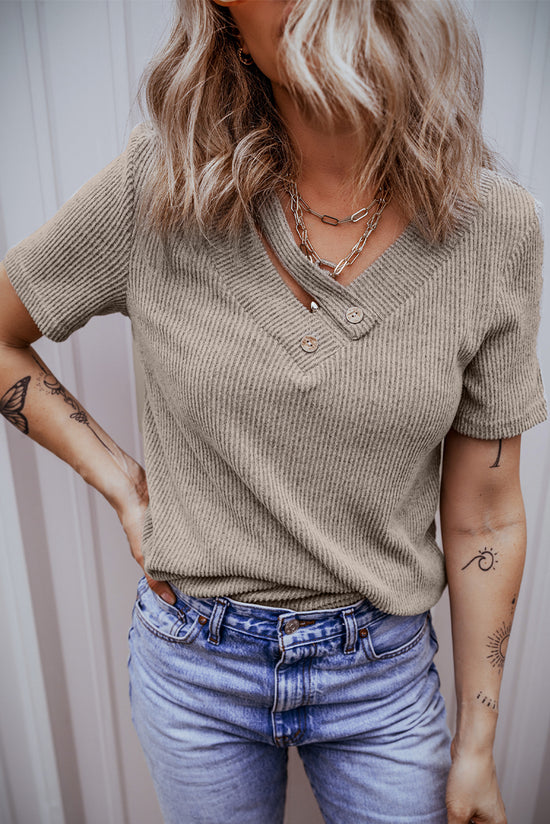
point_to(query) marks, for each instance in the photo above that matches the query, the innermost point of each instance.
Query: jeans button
(291, 626)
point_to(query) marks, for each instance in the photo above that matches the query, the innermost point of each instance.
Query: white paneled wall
(68, 751)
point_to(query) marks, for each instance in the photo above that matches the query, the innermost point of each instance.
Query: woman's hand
(130, 505)
(472, 788)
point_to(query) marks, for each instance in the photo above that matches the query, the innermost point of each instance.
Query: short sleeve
(503, 392)
(76, 265)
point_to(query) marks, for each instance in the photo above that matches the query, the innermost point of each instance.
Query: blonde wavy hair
(408, 75)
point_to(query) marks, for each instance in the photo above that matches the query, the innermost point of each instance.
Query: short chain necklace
(305, 246)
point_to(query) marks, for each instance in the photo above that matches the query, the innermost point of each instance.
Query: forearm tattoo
(486, 559)
(486, 701)
(496, 463)
(54, 387)
(498, 645)
(12, 403)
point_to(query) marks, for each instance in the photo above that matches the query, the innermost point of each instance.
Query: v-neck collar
(378, 290)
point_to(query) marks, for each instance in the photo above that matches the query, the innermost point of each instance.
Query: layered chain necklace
(296, 204)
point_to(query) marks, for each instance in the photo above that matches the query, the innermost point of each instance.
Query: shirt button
(309, 343)
(291, 626)
(354, 314)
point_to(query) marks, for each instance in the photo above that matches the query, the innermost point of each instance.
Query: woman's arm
(484, 541)
(38, 405)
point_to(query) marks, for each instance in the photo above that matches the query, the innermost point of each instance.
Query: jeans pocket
(394, 635)
(178, 623)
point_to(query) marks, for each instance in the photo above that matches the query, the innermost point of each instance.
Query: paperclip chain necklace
(296, 202)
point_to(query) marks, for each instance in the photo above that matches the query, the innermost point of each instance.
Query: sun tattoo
(498, 645)
(486, 559)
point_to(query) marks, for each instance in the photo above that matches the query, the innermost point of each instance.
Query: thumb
(162, 589)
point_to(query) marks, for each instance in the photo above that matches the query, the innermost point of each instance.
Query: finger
(161, 588)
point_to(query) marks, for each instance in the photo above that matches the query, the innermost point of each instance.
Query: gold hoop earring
(241, 54)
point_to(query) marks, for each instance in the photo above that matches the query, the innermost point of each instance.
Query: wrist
(121, 481)
(476, 725)
(130, 488)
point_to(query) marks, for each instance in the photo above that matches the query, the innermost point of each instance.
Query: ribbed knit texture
(286, 477)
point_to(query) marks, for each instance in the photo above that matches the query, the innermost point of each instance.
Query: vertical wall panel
(29, 780)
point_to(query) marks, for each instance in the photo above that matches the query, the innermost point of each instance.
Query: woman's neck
(326, 164)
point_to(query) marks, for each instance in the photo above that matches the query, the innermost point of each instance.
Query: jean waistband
(278, 623)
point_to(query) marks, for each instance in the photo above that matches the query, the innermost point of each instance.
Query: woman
(333, 294)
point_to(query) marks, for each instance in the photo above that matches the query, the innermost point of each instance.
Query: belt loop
(216, 617)
(351, 630)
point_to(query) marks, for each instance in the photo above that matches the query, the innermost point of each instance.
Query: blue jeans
(219, 689)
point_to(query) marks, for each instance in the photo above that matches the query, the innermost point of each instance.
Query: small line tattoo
(54, 387)
(12, 403)
(514, 604)
(498, 645)
(488, 702)
(496, 463)
(486, 559)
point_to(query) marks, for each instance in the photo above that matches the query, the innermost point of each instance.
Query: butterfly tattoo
(13, 401)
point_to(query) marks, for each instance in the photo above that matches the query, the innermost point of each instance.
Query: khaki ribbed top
(293, 458)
